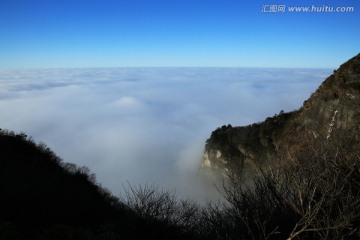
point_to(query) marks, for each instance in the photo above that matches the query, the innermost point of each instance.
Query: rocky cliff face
(331, 113)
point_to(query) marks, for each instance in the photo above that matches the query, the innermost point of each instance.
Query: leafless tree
(154, 204)
(314, 195)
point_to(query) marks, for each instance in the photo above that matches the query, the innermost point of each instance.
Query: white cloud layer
(144, 125)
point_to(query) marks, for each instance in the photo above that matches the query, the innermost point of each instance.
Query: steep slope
(332, 112)
(43, 198)
(39, 194)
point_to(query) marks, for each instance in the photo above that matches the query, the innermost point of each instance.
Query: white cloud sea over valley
(144, 125)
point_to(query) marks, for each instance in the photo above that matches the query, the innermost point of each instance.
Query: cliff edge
(331, 113)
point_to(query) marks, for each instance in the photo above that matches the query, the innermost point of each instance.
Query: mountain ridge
(44, 198)
(332, 111)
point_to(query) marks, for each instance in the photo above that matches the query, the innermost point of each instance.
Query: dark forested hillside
(312, 197)
(41, 197)
(40, 194)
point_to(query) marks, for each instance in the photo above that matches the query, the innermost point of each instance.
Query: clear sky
(175, 33)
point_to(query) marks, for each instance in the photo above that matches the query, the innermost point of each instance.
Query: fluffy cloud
(144, 124)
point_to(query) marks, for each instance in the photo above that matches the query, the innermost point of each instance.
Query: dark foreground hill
(41, 197)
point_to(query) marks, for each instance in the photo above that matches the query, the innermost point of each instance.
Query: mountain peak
(332, 113)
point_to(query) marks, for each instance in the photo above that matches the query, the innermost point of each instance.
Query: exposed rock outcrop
(332, 112)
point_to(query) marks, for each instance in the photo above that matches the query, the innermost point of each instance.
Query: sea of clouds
(145, 125)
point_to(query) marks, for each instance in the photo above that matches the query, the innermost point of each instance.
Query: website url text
(271, 8)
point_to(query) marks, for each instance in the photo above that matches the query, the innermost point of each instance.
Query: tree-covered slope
(38, 192)
(332, 112)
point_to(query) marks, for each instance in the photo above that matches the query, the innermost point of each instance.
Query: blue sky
(169, 33)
